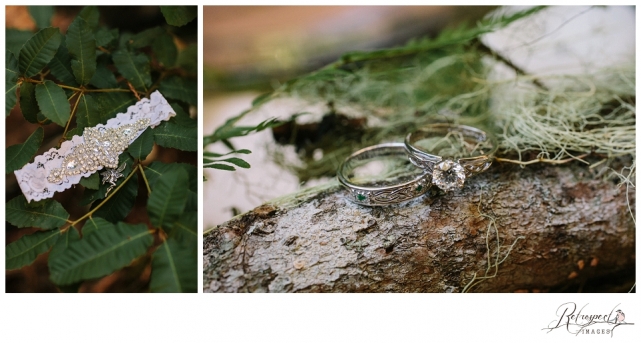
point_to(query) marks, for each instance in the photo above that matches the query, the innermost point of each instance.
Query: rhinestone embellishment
(112, 175)
(448, 175)
(101, 148)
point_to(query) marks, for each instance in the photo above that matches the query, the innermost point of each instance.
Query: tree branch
(539, 228)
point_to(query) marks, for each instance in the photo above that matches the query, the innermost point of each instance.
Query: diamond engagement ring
(451, 153)
(389, 177)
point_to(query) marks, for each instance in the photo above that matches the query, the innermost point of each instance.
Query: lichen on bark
(437, 243)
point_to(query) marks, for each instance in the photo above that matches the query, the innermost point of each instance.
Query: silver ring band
(449, 173)
(382, 192)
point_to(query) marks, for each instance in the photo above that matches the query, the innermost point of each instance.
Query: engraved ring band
(449, 172)
(409, 182)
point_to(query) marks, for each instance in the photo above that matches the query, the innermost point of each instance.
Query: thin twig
(104, 90)
(88, 214)
(107, 90)
(144, 178)
(156, 84)
(543, 160)
(73, 111)
(131, 87)
(484, 48)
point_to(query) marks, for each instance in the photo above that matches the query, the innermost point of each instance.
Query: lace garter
(99, 147)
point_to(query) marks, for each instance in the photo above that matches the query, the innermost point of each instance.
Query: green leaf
(228, 130)
(82, 48)
(86, 112)
(66, 238)
(182, 118)
(111, 103)
(179, 88)
(174, 268)
(41, 15)
(60, 65)
(185, 229)
(171, 135)
(192, 198)
(91, 15)
(146, 37)
(11, 69)
(20, 154)
(157, 169)
(123, 40)
(91, 195)
(28, 103)
(233, 160)
(11, 79)
(134, 67)
(168, 198)
(179, 15)
(42, 119)
(220, 166)
(142, 146)
(165, 49)
(228, 144)
(45, 214)
(53, 102)
(92, 181)
(61, 246)
(95, 223)
(98, 108)
(10, 98)
(188, 59)
(105, 37)
(121, 203)
(259, 100)
(103, 77)
(26, 249)
(38, 51)
(100, 253)
(76, 131)
(15, 39)
(213, 154)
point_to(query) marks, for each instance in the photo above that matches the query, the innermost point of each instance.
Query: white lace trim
(32, 178)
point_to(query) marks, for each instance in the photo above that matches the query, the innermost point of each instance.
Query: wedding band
(402, 182)
(450, 171)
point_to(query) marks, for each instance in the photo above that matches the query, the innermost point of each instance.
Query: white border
(293, 318)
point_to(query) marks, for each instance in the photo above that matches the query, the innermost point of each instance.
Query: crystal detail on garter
(101, 148)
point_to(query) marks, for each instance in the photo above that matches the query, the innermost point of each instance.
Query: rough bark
(575, 227)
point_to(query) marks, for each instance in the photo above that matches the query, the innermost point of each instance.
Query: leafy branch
(82, 79)
(93, 210)
(223, 134)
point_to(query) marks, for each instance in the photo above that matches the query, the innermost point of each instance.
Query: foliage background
(96, 62)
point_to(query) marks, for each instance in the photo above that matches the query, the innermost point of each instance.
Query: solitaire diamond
(448, 175)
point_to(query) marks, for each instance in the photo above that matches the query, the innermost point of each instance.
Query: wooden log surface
(573, 226)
